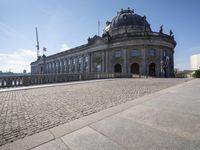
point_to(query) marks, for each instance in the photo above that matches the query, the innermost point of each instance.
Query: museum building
(127, 46)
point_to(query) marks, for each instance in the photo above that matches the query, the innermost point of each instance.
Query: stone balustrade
(26, 80)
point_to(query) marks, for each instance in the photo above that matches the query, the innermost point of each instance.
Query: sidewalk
(168, 119)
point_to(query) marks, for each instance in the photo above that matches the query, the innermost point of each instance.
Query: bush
(196, 74)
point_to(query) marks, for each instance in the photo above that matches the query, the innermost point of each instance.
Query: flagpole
(38, 47)
(98, 27)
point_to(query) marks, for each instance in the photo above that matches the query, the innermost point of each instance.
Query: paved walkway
(168, 119)
(30, 110)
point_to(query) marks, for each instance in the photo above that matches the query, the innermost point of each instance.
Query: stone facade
(128, 46)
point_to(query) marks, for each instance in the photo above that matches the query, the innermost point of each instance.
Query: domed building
(127, 46)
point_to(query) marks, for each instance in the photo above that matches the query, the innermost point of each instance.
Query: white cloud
(7, 31)
(64, 47)
(17, 61)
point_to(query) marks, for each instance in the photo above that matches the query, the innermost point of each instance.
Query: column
(76, 62)
(91, 63)
(107, 60)
(103, 61)
(83, 64)
(124, 69)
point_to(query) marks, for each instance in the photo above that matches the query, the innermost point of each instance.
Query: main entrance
(135, 68)
(152, 69)
(118, 68)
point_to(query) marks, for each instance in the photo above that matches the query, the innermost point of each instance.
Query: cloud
(17, 61)
(7, 31)
(64, 47)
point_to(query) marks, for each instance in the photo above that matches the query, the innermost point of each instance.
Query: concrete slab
(189, 89)
(179, 124)
(136, 136)
(29, 142)
(53, 145)
(177, 103)
(89, 139)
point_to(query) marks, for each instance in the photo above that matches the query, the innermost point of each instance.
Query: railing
(26, 80)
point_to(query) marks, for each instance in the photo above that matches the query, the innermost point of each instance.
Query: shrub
(196, 74)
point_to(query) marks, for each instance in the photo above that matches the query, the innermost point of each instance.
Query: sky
(64, 24)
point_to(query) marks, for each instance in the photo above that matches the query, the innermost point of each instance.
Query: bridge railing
(26, 80)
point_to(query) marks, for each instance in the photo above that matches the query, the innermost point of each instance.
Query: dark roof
(127, 18)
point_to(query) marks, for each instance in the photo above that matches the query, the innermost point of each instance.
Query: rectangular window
(135, 52)
(117, 54)
(164, 53)
(80, 60)
(152, 52)
(98, 67)
(86, 58)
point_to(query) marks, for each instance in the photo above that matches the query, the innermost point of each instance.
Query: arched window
(117, 68)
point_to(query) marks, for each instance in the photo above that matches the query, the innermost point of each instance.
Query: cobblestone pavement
(26, 112)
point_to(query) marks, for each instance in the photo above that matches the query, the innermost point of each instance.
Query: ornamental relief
(135, 61)
(118, 60)
(137, 58)
(98, 59)
(153, 59)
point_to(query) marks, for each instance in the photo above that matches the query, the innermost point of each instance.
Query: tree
(196, 74)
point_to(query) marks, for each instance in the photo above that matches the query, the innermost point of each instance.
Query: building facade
(127, 46)
(195, 62)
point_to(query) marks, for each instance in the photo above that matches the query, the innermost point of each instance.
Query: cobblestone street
(26, 112)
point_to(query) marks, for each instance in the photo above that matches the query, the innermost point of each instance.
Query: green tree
(196, 74)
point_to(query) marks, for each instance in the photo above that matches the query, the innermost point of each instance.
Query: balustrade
(26, 80)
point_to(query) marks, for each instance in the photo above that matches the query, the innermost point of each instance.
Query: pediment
(96, 40)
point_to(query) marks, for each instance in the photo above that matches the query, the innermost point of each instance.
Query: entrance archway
(152, 69)
(118, 68)
(135, 68)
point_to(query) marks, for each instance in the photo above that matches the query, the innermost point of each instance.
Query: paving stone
(177, 103)
(136, 136)
(88, 139)
(179, 124)
(52, 145)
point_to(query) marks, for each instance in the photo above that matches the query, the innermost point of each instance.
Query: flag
(44, 49)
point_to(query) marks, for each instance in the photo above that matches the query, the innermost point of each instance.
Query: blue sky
(64, 24)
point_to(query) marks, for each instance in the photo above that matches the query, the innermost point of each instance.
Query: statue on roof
(171, 33)
(161, 29)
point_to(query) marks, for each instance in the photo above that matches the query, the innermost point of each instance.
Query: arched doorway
(152, 69)
(135, 68)
(118, 68)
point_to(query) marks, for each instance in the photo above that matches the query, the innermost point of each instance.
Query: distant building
(195, 62)
(128, 46)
